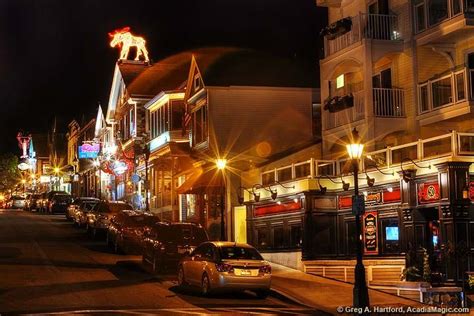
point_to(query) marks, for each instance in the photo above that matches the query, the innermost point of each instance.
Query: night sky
(55, 57)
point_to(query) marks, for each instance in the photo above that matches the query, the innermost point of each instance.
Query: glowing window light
(124, 40)
(340, 81)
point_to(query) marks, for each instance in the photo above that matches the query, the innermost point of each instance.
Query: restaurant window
(390, 236)
(262, 238)
(295, 236)
(278, 237)
(350, 237)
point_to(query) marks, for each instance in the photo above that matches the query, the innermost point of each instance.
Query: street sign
(358, 204)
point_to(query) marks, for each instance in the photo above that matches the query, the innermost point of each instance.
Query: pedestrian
(137, 201)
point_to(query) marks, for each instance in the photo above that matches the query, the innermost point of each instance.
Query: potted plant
(337, 103)
(337, 28)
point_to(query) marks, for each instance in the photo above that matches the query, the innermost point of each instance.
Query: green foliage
(9, 173)
(426, 266)
(411, 274)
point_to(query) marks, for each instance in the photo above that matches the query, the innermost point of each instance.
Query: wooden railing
(453, 144)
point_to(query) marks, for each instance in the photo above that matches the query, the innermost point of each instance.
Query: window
(303, 170)
(190, 205)
(284, 174)
(262, 238)
(437, 11)
(325, 234)
(340, 81)
(200, 125)
(460, 91)
(278, 237)
(420, 17)
(197, 82)
(177, 112)
(441, 92)
(295, 236)
(268, 178)
(391, 236)
(424, 105)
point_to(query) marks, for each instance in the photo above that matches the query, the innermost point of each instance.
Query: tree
(9, 173)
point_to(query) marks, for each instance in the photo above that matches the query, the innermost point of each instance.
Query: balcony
(174, 136)
(364, 26)
(442, 20)
(388, 102)
(445, 96)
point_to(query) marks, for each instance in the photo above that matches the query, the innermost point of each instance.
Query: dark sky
(55, 58)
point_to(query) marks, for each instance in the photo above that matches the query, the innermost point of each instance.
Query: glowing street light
(360, 292)
(221, 163)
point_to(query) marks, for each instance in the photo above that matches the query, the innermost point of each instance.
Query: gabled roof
(244, 67)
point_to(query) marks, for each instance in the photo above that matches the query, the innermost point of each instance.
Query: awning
(199, 181)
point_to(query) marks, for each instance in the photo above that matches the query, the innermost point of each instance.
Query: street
(49, 266)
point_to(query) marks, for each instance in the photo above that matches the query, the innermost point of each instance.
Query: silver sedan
(225, 266)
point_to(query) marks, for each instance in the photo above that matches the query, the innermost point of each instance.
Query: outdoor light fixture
(370, 181)
(322, 189)
(345, 185)
(405, 174)
(221, 163)
(360, 290)
(240, 198)
(355, 148)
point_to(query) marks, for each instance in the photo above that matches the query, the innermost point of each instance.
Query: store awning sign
(370, 226)
(277, 208)
(89, 150)
(373, 198)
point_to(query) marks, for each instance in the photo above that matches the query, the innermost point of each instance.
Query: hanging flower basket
(337, 28)
(336, 104)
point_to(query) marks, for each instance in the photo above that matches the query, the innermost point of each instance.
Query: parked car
(80, 216)
(17, 202)
(166, 243)
(46, 200)
(31, 202)
(125, 231)
(74, 206)
(217, 266)
(99, 218)
(59, 203)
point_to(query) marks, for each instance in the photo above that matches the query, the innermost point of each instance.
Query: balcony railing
(371, 26)
(388, 102)
(453, 144)
(431, 13)
(445, 90)
(353, 114)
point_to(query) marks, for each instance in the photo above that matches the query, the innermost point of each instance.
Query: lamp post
(221, 165)
(360, 291)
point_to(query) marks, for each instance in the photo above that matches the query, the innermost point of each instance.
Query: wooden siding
(259, 121)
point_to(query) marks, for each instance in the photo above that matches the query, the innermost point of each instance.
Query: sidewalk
(325, 294)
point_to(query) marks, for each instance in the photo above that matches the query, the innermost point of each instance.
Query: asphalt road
(48, 266)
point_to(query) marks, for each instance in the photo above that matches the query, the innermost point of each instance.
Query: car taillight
(224, 267)
(265, 269)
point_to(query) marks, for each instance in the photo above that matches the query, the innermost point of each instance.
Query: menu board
(370, 233)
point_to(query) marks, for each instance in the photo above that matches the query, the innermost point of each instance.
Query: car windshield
(88, 206)
(236, 252)
(62, 197)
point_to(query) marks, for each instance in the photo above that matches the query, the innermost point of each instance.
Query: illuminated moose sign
(124, 40)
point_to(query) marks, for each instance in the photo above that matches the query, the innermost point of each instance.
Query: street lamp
(360, 291)
(221, 165)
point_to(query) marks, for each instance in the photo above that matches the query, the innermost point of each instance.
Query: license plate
(245, 272)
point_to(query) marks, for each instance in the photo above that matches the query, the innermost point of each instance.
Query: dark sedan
(166, 243)
(76, 205)
(98, 219)
(125, 232)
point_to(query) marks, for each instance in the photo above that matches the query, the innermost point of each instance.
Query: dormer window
(197, 82)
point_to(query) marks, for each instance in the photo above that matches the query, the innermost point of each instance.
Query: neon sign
(124, 40)
(119, 167)
(89, 151)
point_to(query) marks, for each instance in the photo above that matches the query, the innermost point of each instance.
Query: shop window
(278, 237)
(262, 238)
(391, 236)
(295, 236)
(190, 205)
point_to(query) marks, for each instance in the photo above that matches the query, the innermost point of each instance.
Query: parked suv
(166, 243)
(59, 203)
(46, 200)
(98, 219)
(32, 202)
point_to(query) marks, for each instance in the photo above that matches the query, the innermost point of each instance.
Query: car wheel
(181, 278)
(262, 294)
(205, 285)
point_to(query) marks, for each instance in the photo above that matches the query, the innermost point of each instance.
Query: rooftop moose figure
(124, 40)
